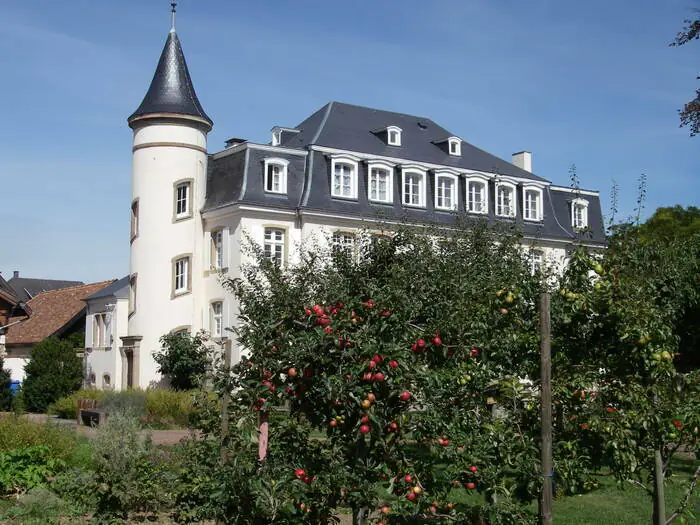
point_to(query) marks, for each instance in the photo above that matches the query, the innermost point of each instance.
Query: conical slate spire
(171, 89)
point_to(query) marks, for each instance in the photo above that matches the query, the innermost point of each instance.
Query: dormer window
(277, 132)
(393, 136)
(380, 187)
(454, 145)
(413, 185)
(276, 175)
(445, 191)
(344, 176)
(532, 208)
(579, 214)
(505, 199)
(477, 194)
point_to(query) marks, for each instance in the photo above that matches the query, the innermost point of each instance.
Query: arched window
(477, 196)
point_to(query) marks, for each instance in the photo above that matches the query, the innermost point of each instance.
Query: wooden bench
(89, 414)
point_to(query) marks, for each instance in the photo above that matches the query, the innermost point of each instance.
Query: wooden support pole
(659, 495)
(546, 410)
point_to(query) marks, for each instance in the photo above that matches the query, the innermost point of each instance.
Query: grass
(610, 505)
(19, 432)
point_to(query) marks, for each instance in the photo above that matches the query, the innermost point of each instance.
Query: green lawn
(630, 506)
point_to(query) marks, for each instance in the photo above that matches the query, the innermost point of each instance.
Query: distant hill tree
(690, 114)
(672, 222)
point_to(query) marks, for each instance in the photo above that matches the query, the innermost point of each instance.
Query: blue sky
(587, 83)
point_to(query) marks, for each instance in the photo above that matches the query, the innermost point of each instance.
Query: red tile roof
(51, 311)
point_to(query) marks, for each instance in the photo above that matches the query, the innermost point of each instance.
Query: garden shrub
(155, 408)
(26, 468)
(53, 371)
(169, 407)
(183, 359)
(130, 474)
(67, 406)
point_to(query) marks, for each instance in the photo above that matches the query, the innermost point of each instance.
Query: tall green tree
(5, 396)
(53, 371)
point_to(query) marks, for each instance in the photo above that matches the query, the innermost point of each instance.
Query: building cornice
(259, 147)
(563, 189)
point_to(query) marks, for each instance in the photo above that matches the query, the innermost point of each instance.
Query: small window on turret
(182, 200)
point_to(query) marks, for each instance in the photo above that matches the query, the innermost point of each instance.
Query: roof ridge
(387, 111)
(108, 282)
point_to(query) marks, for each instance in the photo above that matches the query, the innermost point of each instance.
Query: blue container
(14, 387)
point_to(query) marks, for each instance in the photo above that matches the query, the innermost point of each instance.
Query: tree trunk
(359, 516)
(659, 497)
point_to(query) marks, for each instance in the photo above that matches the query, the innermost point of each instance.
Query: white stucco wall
(101, 360)
(165, 153)
(15, 365)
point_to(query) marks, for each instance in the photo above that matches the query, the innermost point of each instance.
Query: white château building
(342, 169)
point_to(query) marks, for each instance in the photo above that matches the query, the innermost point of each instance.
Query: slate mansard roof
(235, 175)
(171, 89)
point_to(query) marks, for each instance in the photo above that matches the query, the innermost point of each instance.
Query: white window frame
(187, 185)
(133, 283)
(345, 241)
(413, 170)
(583, 205)
(216, 251)
(283, 165)
(457, 143)
(272, 243)
(454, 193)
(539, 203)
(216, 319)
(484, 182)
(353, 163)
(389, 168)
(134, 219)
(393, 130)
(536, 261)
(181, 275)
(514, 202)
(100, 330)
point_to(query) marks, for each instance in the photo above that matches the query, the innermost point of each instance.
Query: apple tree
(408, 374)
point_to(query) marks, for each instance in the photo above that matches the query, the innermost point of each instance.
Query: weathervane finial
(173, 10)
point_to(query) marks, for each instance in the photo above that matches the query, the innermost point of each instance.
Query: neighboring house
(10, 307)
(342, 169)
(106, 366)
(56, 312)
(26, 288)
